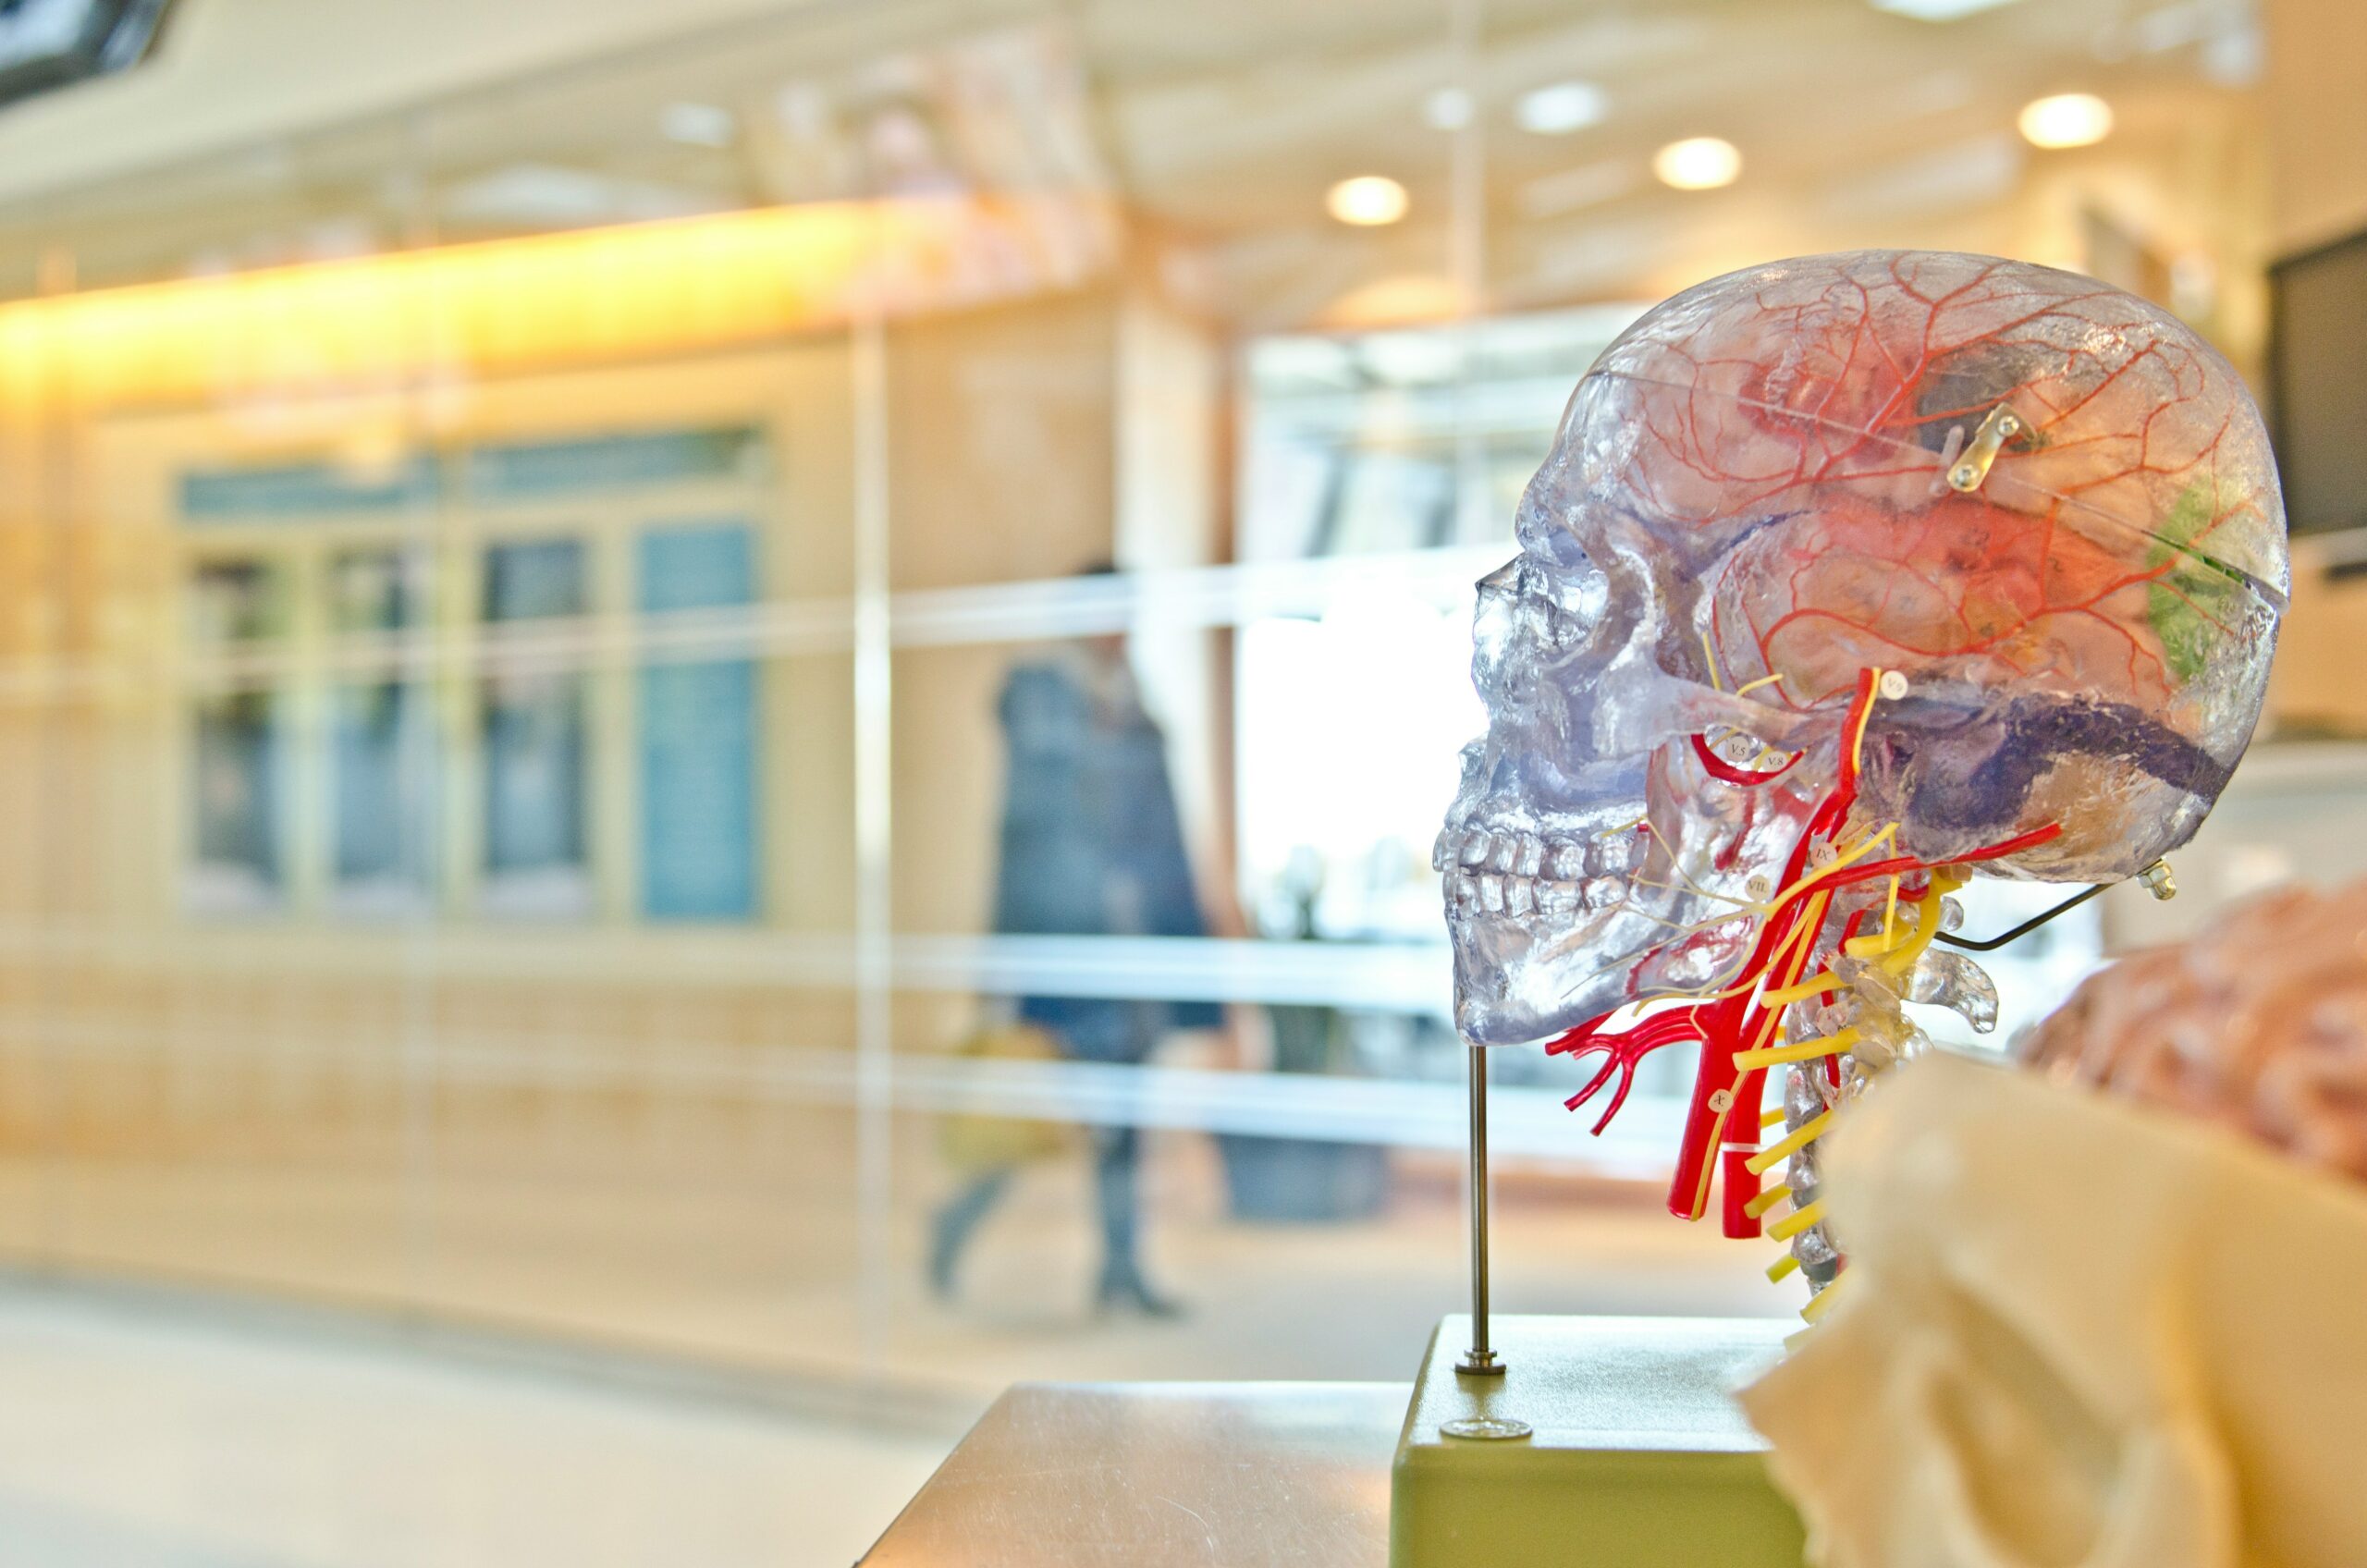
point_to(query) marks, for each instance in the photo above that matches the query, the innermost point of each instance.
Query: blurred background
(534, 540)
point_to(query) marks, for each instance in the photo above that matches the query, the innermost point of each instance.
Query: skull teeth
(1544, 873)
(1528, 855)
(1512, 894)
(1537, 854)
(1616, 854)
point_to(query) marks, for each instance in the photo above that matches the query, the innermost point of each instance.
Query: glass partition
(786, 700)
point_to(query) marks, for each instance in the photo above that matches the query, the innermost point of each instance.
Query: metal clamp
(1966, 473)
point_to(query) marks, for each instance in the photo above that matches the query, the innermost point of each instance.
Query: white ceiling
(267, 132)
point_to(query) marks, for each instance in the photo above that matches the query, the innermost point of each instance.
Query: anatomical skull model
(1848, 576)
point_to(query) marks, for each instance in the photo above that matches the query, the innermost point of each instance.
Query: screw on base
(1480, 1362)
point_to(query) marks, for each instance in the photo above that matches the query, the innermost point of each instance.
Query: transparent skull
(1753, 483)
(1969, 564)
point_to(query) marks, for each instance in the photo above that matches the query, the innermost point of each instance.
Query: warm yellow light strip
(372, 322)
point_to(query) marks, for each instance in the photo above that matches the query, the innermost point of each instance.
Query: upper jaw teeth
(1515, 872)
(1562, 856)
(1498, 892)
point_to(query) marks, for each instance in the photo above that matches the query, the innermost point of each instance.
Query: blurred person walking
(1091, 846)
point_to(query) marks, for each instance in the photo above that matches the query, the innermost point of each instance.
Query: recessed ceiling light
(1366, 201)
(1697, 163)
(2068, 119)
(698, 125)
(1562, 109)
(1448, 108)
(1937, 10)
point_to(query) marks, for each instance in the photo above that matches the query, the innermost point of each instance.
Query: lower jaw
(1490, 1011)
(1490, 1008)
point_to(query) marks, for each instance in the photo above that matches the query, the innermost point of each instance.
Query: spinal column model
(1848, 578)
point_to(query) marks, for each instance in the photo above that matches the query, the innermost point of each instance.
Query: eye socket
(1573, 598)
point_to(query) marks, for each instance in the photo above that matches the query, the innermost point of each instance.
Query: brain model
(1847, 577)
(2260, 1027)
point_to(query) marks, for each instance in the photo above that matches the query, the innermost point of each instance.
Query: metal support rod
(1480, 1359)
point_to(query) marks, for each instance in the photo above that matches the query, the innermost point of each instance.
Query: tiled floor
(677, 1248)
(1352, 1301)
(611, 1309)
(136, 1436)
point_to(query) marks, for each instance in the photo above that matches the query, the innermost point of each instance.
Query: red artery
(1721, 1122)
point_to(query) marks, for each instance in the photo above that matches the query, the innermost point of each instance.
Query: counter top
(1162, 1476)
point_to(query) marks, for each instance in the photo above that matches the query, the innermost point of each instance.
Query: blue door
(698, 736)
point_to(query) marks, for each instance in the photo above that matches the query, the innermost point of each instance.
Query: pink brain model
(2259, 1025)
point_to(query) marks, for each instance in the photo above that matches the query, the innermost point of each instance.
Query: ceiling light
(1697, 163)
(2068, 119)
(1937, 10)
(1366, 201)
(1562, 109)
(697, 124)
(1448, 108)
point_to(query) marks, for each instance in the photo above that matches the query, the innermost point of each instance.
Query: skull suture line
(1845, 575)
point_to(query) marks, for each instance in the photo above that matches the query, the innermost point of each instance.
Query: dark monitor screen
(57, 42)
(2317, 356)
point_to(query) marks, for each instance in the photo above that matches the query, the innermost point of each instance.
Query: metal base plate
(1634, 1454)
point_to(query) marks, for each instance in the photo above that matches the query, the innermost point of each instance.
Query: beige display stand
(1635, 1454)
